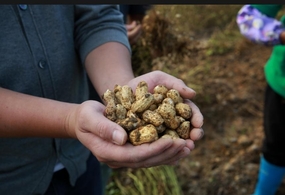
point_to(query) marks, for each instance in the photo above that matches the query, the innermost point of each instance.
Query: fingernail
(118, 137)
(193, 91)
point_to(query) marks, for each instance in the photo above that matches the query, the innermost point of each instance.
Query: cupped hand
(107, 140)
(161, 78)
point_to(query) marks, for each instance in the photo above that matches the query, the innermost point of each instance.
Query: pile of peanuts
(147, 117)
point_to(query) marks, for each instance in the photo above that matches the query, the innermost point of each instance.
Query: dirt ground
(230, 92)
(226, 160)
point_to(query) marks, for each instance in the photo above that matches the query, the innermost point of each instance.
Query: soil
(226, 160)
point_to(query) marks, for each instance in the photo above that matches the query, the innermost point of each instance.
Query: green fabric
(274, 69)
(270, 10)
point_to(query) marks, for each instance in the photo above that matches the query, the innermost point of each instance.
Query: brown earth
(226, 160)
(230, 86)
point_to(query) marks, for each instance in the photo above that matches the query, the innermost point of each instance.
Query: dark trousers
(87, 184)
(274, 127)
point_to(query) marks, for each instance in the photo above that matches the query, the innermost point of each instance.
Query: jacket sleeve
(258, 23)
(96, 25)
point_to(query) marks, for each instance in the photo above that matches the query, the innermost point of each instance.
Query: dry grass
(160, 180)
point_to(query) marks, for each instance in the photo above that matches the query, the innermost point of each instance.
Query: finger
(182, 154)
(190, 143)
(110, 131)
(148, 155)
(197, 119)
(164, 157)
(135, 156)
(196, 134)
(94, 121)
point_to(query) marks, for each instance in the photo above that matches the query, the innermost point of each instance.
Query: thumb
(109, 130)
(91, 120)
(118, 136)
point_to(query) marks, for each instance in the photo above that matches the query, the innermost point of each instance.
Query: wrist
(70, 121)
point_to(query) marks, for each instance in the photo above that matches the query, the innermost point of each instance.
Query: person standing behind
(258, 23)
(133, 18)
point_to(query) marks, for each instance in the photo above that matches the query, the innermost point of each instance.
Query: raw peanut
(124, 95)
(146, 116)
(145, 134)
(170, 133)
(184, 130)
(173, 123)
(108, 96)
(110, 111)
(143, 103)
(117, 92)
(153, 107)
(174, 95)
(167, 109)
(183, 110)
(161, 128)
(160, 89)
(131, 114)
(129, 124)
(117, 88)
(168, 101)
(127, 97)
(141, 90)
(121, 111)
(152, 117)
(141, 122)
(158, 98)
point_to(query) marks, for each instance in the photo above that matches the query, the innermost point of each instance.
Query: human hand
(134, 30)
(107, 140)
(157, 77)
